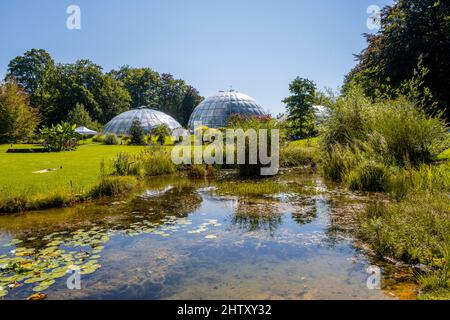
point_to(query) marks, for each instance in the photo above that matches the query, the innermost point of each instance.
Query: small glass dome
(149, 119)
(215, 111)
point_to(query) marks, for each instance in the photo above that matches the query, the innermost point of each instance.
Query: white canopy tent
(85, 131)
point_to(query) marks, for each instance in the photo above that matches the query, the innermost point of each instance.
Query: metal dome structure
(149, 119)
(215, 111)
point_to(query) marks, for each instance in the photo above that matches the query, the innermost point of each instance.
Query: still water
(177, 239)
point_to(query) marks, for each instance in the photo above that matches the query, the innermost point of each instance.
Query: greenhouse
(149, 119)
(215, 111)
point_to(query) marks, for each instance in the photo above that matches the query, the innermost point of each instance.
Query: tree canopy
(414, 39)
(57, 89)
(299, 106)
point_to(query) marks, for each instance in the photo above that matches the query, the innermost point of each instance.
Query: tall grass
(151, 162)
(294, 155)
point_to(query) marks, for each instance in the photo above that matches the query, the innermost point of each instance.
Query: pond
(180, 239)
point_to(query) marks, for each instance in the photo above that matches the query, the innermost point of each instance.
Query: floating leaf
(37, 296)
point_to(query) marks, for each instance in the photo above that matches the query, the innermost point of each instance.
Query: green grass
(251, 188)
(300, 153)
(77, 171)
(444, 156)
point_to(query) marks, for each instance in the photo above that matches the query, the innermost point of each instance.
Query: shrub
(338, 162)
(296, 155)
(413, 230)
(111, 139)
(113, 186)
(349, 120)
(98, 138)
(197, 171)
(157, 161)
(367, 176)
(137, 133)
(411, 137)
(161, 133)
(125, 164)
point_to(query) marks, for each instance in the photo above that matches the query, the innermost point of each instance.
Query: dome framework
(149, 119)
(215, 111)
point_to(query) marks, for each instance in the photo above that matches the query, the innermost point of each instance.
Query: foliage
(159, 91)
(161, 132)
(151, 162)
(60, 137)
(295, 155)
(111, 139)
(157, 161)
(113, 186)
(81, 117)
(34, 71)
(57, 89)
(137, 133)
(422, 27)
(415, 230)
(300, 107)
(392, 132)
(18, 120)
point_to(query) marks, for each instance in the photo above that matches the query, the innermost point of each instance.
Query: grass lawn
(81, 167)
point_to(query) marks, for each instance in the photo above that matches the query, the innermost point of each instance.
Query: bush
(411, 137)
(395, 132)
(125, 164)
(137, 133)
(197, 171)
(111, 139)
(157, 161)
(338, 162)
(98, 138)
(113, 186)
(367, 176)
(414, 230)
(296, 155)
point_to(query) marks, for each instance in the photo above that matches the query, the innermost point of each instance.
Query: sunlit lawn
(78, 169)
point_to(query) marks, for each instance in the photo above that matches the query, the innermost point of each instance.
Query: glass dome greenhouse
(215, 111)
(149, 119)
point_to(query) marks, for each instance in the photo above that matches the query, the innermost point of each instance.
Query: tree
(161, 132)
(143, 85)
(34, 71)
(84, 82)
(191, 100)
(18, 120)
(300, 107)
(414, 35)
(137, 133)
(81, 117)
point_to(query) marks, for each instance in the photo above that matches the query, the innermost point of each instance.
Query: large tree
(18, 120)
(84, 83)
(414, 36)
(299, 107)
(34, 71)
(143, 85)
(192, 99)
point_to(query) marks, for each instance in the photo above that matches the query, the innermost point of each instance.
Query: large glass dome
(215, 111)
(149, 119)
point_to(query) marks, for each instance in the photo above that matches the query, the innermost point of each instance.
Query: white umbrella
(85, 131)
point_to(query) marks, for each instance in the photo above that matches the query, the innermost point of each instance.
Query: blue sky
(256, 46)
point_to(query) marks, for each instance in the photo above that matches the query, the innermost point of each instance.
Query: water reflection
(174, 239)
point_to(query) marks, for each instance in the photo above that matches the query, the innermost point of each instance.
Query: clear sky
(256, 46)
